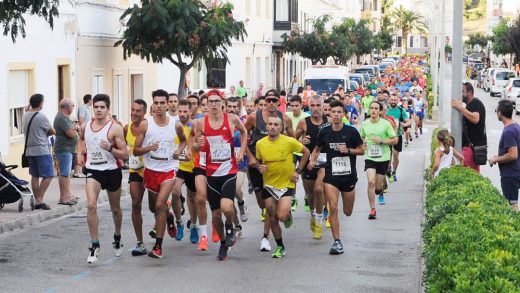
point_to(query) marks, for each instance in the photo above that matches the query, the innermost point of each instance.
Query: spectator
(38, 151)
(241, 89)
(474, 124)
(283, 101)
(508, 149)
(84, 112)
(259, 91)
(295, 85)
(65, 148)
(232, 91)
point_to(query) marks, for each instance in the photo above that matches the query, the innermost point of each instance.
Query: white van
(499, 81)
(327, 78)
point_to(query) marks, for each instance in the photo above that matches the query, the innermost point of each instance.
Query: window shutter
(18, 88)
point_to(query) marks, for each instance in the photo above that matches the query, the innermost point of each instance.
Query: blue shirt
(352, 112)
(510, 138)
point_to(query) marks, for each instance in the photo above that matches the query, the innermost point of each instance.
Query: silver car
(499, 81)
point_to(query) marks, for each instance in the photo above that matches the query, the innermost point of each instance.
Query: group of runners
(209, 145)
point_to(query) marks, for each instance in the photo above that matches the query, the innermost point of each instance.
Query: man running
(173, 102)
(275, 162)
(155, 142)
(401, 116)
(378, 134)
(341, 144)
(135, 178)
(105, 145)
(419, 106)
(217, 130)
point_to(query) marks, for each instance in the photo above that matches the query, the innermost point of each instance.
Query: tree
(477, 39)
(386, 19)
(513, 37)
(501, 45)
(407, 21)
(184, 32)
(12, 14)
(384, 40)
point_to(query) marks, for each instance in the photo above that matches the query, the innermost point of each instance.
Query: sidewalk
(11, 219)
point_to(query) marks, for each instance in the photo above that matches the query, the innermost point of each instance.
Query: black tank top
(313, 131)
(260, 130)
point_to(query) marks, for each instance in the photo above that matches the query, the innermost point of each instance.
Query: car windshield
(504, 75)
(516, 83)
(362, 70)
(328, 86)
(356, 78)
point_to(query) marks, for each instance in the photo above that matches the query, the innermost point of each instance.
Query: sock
(178, 221)
(238, 226)
(265, 236)
(337, 240)
(117, 238)
(229, 227)
(203, 231)
(158, 242)
(313, 213)
(279, 242)
(319, 218)
(240, 203)
(95, 243)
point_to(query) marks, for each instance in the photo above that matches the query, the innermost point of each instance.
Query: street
(380, 256)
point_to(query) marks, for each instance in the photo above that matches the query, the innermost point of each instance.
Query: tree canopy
(477, 39)
(513, 37)
(12, 11)
(184, 32)
(501, 44)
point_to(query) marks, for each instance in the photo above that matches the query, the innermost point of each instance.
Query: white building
(416, 43)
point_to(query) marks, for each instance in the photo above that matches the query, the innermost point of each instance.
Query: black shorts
(256, 179)
(510, 186)
(266, 194)
(189, 179)
(381, 167)
(296, 159)
(198, 171)
(221, 187)
(109, 179)
(135, 177)
(310, 175)
(399, 146)
(342, 183)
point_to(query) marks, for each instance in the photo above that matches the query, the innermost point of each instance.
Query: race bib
(98, 156)
(183, 156)
(341, 166)
(134, 162)
(375, 150)
(277, 193)
(322, 159)
(237, 150)
(164, 152)
(220, 152)
(202, 159)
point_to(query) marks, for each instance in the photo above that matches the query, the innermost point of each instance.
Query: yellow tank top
(184, 165)
(136, 164)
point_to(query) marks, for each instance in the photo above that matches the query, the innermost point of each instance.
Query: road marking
(81, 275)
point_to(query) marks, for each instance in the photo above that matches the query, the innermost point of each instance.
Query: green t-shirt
(383, 129)
(296, 120)
(399, 114)
(372, 86)
(64, 144)
(367, 100)
(241, 91)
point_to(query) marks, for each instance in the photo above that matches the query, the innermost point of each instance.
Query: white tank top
(446, 160)
(161, 160)
(98, 158)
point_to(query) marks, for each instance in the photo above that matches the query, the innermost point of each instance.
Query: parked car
(512, 90)
(376, 71)
(499, 81)
(354, 86)
(384, 65)
(465, 58)
(365, 71)
(359, 78)
(487, 78)
(389, 60)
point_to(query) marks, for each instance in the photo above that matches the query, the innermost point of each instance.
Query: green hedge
(471, 236)
(429, 95)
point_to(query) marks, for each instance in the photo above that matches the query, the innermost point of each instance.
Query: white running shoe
(93, 254)
(265, 245)
(118, 248)
(244, 213)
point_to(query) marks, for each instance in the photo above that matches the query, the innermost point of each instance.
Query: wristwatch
(110, 149)
(298, 170)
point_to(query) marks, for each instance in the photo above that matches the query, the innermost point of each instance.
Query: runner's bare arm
(243, 136)
(182, 139)
(116, 135)
(289, 131)
(125, 131)
(250, 122)
(197, 135)
(358, 151)
(139, 150)
(305, 158)
(314, 156)
(300, 129)
(81, 146)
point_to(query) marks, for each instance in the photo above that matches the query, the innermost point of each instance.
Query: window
(411, 41)
(136, 86)
(117, 109)
(285, 14)
(18, 93)
(282, 10)
(97, 84)
(63, 82)
(216, 76)
(374, 7)
(398, 41)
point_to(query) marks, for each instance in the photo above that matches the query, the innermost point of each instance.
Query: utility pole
(456, 72)
(442, 96)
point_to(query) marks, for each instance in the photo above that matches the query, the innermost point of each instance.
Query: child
(445, 153)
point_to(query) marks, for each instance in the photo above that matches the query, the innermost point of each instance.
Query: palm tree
(407, 21)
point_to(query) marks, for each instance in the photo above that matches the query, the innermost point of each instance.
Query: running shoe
(265, 245)
(238, 231)
(294, 204)
(420, 130)
(262, 215)
(250, 188)
(318, 231)
(180, 232)
(279, 252)
(307, 207)
(172, 230)
(406, 144)
(93, 254)
(152, 232)
(214, 235)
(381, 199)
(288, 223)
(313, 224)
(327, 223)
(156, 252)
(416, 135)
(203, 243)
(336, 248)
(139, 249)
(222, 252)
(390, 178)
(386, 189)
(244, 213)
(118, 248)
(230, 236)
(372, 215)
(194, 234)
(395, 178)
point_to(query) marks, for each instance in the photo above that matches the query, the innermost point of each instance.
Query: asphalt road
(380, 256)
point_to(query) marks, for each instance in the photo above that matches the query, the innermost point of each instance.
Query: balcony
(285, 15)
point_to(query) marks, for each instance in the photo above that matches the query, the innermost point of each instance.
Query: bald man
(64, 148)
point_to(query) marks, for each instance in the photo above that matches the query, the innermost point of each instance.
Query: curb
(422, 265)
(37, 218)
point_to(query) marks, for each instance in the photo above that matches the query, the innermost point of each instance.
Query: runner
(105, 144)
(135, 178)
(217, 130)
(256, 125)
(173, 103)
(155, 142)
(378, 135)
(275, 162)
(308, 129)
(341, 144)
(419, 106)
(402, 119)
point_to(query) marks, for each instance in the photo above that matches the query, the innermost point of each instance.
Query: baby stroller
(13, 189)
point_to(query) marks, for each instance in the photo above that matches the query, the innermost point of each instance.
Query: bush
(471, 235)
(433, 146)
(429, 94)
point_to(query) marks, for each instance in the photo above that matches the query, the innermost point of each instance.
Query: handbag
(25, 161)
(479, 152)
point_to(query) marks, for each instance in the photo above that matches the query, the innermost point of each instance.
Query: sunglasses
(270, 100)
(214, 101)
